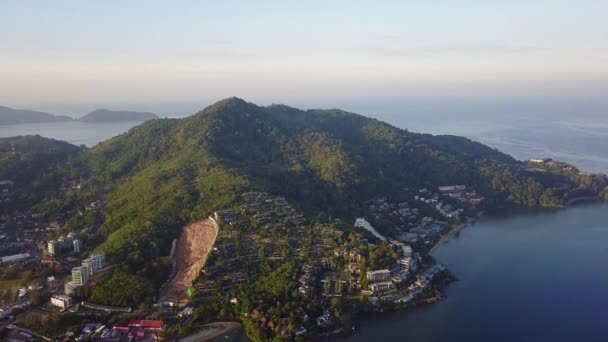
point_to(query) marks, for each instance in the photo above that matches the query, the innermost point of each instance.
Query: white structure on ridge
(363, 223)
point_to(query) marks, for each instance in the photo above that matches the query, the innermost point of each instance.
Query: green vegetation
(327, 163)
(121, 290)
(520, 189)
(37, 167)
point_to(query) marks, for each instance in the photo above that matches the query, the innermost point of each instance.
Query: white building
(381, 286)
(407, 251)
(100, 259)
(363, 223)
(90, 265)
(80, 276)
(539, 160)
(61, 301)
(94, 263)
(53, 247)
(379, 275)
(64, 243)
(77, 243)
(12, 259)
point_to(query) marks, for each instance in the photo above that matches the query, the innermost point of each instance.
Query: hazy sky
(71, 56)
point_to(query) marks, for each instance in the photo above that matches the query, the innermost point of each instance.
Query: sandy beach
(447, 236)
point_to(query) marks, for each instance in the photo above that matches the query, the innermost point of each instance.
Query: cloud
(396, 51)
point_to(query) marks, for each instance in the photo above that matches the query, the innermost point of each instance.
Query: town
(336, 263)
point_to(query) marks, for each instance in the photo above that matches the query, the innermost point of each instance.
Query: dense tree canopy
(165, 173)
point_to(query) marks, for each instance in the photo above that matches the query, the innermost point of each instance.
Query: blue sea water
(525, 276)
(74, 132)
(575, 134)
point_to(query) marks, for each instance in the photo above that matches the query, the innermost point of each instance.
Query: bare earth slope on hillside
(193, 247)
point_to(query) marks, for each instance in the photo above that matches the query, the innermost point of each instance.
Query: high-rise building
(94, 263)
(91, 265)
(100, 259)
(77, 245)
(80, 276)
(64, 243)
(53, 247)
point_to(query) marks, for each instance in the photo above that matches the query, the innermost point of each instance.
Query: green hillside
(165, 173)
(36, 165)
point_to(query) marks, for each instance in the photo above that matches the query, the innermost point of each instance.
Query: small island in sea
(105, 115)
(290, 222)
(11, 116)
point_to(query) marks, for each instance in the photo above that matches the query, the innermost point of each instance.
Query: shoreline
(581, 199)
(444, 238)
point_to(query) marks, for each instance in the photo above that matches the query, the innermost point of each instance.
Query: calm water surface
(533, 276)
(77, 133)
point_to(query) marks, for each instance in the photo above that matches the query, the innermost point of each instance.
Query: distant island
(105, 115)
(12, 116)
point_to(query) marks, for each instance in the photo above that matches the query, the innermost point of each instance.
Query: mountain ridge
(327, 163)
(12, 116)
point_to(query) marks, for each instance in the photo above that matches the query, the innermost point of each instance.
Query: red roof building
(146, 324)
(121, 327)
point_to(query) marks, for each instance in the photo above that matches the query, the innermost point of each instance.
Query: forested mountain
(11, 116)
(36, 165)
(327, 163)
(105, 115)
(165, 173)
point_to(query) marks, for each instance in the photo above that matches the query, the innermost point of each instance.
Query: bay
(74, 132)
(523, 276)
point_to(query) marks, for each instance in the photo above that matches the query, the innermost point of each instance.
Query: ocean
(74, 132)
(579, 138)
(533, 275)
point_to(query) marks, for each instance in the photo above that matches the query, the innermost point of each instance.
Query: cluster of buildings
(307, 280)
(423, 281)
(385, 282)
(15, 259)
(84, 274)
(461, 193)
(71, 242)
(379, 281)
(423, 217)
(260, 227)
(402, 215)
(61, 301)
(448, 210)
(139, 330)
(17, 232)
(325, 319)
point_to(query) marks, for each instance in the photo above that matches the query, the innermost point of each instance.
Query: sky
(70, 57)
